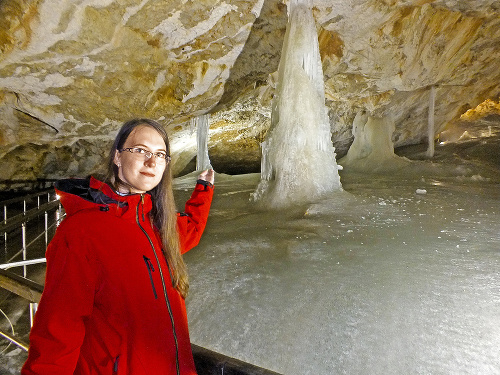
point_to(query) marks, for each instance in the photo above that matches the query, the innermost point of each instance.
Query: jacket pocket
(151, 269)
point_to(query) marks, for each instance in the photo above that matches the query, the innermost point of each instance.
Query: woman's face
(140, 173)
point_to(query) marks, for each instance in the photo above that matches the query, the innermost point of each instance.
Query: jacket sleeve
(193, 220)
(68, 297)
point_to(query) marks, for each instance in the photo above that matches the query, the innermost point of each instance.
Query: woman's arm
(193, 220)
(68, 297)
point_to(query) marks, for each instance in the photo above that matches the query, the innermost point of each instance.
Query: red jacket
(103, 309)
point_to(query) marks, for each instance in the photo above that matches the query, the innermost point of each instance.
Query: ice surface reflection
(378, 279)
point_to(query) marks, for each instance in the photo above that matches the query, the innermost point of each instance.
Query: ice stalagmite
(298, 158)
(372, 149)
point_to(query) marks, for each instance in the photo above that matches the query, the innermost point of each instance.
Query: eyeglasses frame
(148, 154)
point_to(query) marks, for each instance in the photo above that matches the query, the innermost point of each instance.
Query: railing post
(46, 228)
(5, 214)
(5, 241)
(24, 206)
(24, 246)
(38, 201)
(33, 308)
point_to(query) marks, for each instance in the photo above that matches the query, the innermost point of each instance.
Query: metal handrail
(15, 340)
(25, 262)
(25, 198)
(21, 263)
(29, 244)
(21, 219)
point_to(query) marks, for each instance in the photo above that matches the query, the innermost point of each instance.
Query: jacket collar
(80, 194)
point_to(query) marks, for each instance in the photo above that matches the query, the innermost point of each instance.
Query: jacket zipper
(115, 365)
(151, 269)
(167, 301)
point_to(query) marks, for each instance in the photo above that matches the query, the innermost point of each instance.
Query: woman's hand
(208, 175)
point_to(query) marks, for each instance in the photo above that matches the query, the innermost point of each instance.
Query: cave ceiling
(72, 71)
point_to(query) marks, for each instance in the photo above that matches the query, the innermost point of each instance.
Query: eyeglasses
(161, 156)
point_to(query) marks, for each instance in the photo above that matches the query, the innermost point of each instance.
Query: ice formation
(202, 125)
(430, 127)
(372, 148)
(298, 158)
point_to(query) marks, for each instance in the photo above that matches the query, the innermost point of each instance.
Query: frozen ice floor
(398, 274)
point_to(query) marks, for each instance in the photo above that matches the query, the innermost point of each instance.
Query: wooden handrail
(20, 186)
(208, 362)
(21, 286)
(15, 221)
(28, 196)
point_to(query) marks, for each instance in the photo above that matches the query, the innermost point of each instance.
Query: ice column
(430, 125)
(298, 158)
(202, 124)
(372, 149)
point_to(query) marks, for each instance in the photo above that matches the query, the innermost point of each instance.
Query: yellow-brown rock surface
(72, 72)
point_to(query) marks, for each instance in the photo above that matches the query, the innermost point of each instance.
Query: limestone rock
(72, 72)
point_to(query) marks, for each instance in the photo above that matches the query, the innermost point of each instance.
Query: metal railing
(22, 218)
(27, 209)
(25, 199)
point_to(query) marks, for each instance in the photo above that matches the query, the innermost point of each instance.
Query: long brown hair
(164, 214)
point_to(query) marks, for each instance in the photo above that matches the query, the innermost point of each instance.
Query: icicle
(265, 167)
(430, 124)
(201, 123)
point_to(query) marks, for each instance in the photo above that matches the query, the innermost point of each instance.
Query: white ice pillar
(430, 122)
(298, 160)
(372, 149)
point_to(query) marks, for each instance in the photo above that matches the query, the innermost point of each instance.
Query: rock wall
(72, 72)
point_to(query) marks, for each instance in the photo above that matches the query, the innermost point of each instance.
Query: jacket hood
(90, 193)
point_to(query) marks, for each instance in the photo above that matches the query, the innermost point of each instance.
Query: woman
(115, 285)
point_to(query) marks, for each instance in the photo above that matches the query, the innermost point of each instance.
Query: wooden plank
(21, 286)
(208, 362)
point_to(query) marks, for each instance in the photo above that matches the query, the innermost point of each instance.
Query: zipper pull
(151, 269)
(149, 264)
